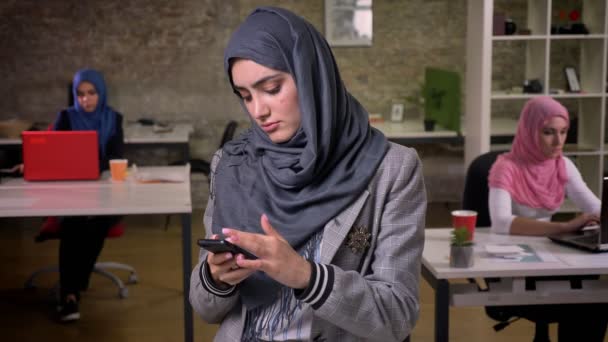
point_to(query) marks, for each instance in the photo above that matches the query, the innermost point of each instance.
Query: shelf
(411, 129)
(519, 37)
(508, 96)
(580, 148)
(503, 127)
(497, 95)
(577, 96)
(576, 36)
(497, 64)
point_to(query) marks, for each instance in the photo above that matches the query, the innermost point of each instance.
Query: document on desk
(516, 253)
(587, 260)
(161, 174)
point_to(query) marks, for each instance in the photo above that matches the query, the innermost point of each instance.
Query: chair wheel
(132, 279)
(123, 293)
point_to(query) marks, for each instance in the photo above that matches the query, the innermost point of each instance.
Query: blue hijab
(103, 119)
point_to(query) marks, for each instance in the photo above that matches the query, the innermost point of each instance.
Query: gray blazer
(375, 295)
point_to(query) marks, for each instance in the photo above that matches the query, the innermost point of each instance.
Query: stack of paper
(161, 174)
(504, 249)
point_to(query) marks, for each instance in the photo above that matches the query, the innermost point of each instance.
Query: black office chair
(204, 166)
(200, 165)
(475, 197)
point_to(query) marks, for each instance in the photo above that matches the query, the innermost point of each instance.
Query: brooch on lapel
(358, 239)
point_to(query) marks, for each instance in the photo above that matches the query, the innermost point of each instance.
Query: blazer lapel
(336, 229)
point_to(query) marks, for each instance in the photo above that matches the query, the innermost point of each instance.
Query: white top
(503, 208)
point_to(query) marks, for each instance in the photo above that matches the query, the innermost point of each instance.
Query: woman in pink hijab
(529, 184)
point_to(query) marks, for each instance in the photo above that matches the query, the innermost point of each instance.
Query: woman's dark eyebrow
(259, 82)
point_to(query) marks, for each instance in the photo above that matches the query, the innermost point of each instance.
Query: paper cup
(465, 218)
(118, 169)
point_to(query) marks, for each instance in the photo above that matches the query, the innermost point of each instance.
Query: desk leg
(442, 311)
(442, 304)
(187, 265)
(186, 151)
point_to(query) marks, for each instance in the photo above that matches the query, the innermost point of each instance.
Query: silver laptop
(595, 240)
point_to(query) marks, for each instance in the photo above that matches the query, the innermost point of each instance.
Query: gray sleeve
(383, 303)
(210, 306)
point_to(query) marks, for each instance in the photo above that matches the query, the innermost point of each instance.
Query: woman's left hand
(276, 257)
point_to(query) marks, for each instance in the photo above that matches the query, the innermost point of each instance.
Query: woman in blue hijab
(332, 210)
(92, 113)
(82, 238)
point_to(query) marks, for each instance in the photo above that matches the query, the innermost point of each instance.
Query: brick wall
(163, 59)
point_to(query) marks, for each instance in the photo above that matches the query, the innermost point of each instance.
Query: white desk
(137, 134)
(140, 134)
(19, 198)
(145, 136)
(412, 131)
(511, 290)
(10, 142)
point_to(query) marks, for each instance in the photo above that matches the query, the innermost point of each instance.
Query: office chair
(199, 165)
(475, 197)
(50, 230)
(204, 166)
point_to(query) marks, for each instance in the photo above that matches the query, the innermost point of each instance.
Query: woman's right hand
(580, 221)
(224, 270)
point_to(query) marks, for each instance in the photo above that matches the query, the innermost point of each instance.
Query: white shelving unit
(540, 55)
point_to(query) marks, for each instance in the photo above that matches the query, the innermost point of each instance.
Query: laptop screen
(604, 213)
(60, 155)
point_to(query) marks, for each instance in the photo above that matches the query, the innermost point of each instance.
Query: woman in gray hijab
(333, 212)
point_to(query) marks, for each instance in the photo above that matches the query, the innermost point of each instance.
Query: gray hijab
(303, 183)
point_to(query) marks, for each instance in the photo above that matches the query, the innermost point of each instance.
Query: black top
(114, 147)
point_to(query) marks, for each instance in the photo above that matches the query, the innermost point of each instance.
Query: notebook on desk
(60, 155)
(595, 240)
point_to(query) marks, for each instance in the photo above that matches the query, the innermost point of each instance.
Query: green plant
(416, 99)
(460, 237)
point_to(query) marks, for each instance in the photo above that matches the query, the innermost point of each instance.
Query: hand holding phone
(223, 246)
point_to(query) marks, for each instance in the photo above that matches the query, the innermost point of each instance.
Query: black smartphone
(222, 246)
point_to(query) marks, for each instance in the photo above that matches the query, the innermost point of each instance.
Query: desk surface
(19, 198)
(413, 129)
(9, 141)
(140, 134)
(567, 261)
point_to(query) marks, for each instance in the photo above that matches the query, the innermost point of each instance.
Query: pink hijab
(531, 178)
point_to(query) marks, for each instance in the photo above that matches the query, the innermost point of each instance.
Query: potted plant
(461, 248)
(416, 100)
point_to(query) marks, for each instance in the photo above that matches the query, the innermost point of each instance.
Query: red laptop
(60, 155)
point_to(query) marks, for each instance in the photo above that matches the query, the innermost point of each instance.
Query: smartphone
(222, 246)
